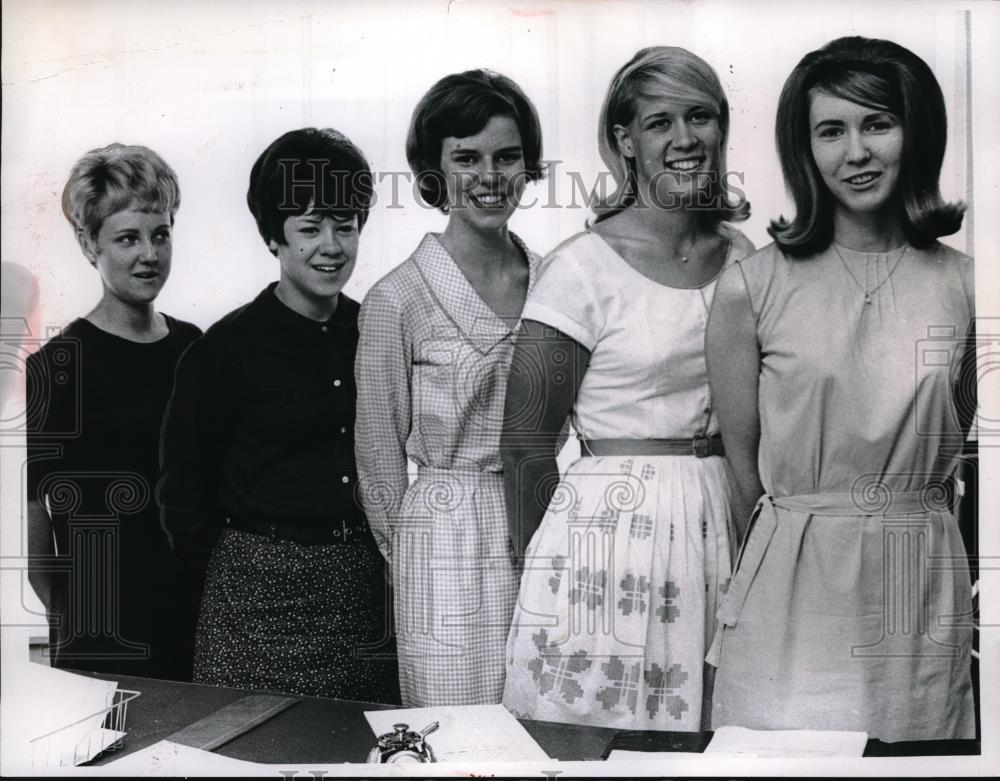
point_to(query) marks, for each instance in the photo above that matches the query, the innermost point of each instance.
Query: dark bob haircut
(884, 76)
(309, 170)
(461, 105)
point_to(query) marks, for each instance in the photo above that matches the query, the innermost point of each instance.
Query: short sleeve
(565, 295)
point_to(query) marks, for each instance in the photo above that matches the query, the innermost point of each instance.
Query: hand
(516, 552)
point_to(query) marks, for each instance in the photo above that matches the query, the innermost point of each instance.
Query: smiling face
(857, 150)
(484, 174)
(675, 146)
(132, 254)
(317, 260)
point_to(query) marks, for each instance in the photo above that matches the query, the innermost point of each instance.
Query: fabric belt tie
(699, 446)
(878, 501)
(335, 532)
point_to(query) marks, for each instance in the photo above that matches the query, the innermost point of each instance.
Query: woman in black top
(96, 395)
(258, 490)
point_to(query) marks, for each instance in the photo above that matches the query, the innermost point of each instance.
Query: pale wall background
(209, 84)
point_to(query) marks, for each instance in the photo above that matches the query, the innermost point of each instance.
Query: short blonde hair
(659, 72)
(118, 177)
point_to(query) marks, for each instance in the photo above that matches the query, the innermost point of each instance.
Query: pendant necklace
(869, 293)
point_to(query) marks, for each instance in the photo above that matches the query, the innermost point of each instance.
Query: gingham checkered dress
(432, 374)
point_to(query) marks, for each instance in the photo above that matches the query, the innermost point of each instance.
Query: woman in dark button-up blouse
(258, 452)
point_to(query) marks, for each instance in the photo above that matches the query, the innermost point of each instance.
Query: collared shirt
(261, 426)
(432, 373)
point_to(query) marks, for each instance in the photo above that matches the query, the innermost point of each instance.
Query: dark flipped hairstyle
(461, 105)
(661, 72)
(884, 76)
(308, 169)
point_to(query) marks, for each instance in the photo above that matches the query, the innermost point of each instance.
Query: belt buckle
(700, 446)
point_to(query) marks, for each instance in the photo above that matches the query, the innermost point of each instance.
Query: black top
(261, 427)
(95, 406)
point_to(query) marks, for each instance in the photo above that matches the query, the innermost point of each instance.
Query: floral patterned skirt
(617, 603)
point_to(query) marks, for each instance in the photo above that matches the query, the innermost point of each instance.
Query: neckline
(849, 254)
(340, 319)
(107, 334)
(634, 270)
(528, 259)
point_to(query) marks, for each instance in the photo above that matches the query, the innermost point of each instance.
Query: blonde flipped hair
(675, 74)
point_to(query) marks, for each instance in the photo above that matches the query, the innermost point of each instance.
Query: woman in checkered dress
(436, 340)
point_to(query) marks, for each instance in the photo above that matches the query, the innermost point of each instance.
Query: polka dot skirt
(298, 619)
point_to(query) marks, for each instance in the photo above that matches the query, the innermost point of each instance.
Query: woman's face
(317, 260)
(484, 174)
(132, 254)
(858, 151)
(676, 147)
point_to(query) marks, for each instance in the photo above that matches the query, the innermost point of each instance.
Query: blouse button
(323, 328)
(345, 479)
(336, 383)
(343, 429)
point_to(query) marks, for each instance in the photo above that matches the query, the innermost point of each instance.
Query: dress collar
(459, 300)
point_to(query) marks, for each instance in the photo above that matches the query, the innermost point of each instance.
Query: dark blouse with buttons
(260, 430)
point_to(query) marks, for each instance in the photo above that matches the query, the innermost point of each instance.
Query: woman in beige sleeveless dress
(831, 355)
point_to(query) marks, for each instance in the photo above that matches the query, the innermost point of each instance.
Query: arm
(533, 422)
(382, 373)
(965, 390)
(44, 448)
(733, 357)
(194, 439)
(41, 545)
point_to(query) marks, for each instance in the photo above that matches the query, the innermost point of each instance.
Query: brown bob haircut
(884, 76)
(309, 170)
(461, 105)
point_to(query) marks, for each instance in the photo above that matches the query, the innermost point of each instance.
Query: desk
(318, 731)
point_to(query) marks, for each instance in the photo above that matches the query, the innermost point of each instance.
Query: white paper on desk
(167, 758)
(787, 743)
(71, 707)
(467, 733)
(60, 698)
(619, 754)
(88, 745)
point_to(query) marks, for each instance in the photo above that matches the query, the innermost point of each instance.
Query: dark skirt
(119, 604)
(282, 617)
